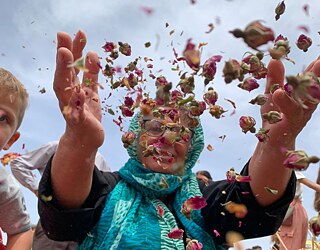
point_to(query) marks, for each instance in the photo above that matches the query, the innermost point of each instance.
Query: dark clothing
(75, 224)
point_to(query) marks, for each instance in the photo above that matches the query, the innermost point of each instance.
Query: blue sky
(27, 49)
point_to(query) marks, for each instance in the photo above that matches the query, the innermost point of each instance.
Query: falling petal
(176, 233)
(211, 28)
(209, 147)
(79, 64)
(271, 191)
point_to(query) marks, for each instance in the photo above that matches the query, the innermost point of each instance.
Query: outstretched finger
(64, 41)
(275, 75)
(316, 68)
(92, 65)
(78, 44)
(64, 75)
(310, 66)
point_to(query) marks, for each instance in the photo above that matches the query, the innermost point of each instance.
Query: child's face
(9, 111)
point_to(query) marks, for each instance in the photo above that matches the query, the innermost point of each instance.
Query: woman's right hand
(79, 102)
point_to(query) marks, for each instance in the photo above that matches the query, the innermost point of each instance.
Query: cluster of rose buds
(304, 87)
(255, 34)
(279, 10)
(192, 55)
(249, 84)
(209, 68)
(304, 42)
(299, 160)
(280, 48)
(247, 123)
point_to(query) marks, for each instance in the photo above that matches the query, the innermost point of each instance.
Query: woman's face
(168, 150)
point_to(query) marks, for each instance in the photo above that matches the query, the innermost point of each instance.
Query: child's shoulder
(9, 189)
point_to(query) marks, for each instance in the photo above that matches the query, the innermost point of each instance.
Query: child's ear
(12, 140)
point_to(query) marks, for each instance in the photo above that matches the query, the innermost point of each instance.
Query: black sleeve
(259, 221)
(74, 224)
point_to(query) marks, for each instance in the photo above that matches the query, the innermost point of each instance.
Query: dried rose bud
(196, 108)
(231, 70)
(108, 70)
(247, 123)
(193, 203)
(193, 245)
(216, 111)
(176, 95)
(125, 48)
(259, 100)
(209, 68)
(272, 117)
(176, 233)
(231, 175)
(114, 54)
(131, 66)
(261, 73)
(109, 46)
(192, 55)
(128, 139)
(168, 138)
(281, 7)
(303, 87)
(249, 84)
(133, 80)
(281, 48)
(128, 101)
(185, 134)
(262, 135)
(160, 210)
(255, 34)
(211, 96)
(314, 225)
(126, 112)
(304, 42)
(254, 60)
(163, 90)
(187, 84)
(299, 160)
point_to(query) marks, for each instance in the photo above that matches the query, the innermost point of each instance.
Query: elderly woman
(155, 204)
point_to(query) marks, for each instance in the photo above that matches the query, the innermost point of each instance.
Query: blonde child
(14, 219)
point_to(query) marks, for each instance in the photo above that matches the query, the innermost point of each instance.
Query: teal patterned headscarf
(131, 218)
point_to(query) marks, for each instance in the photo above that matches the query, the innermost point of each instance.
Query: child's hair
(316, 203)
(9, 84)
